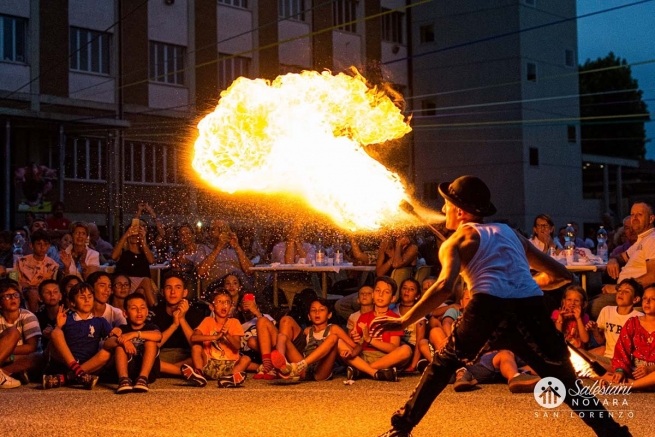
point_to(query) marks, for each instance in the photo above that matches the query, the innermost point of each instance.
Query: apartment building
(99, 99)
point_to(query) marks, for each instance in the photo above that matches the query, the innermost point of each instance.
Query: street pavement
(277, 409)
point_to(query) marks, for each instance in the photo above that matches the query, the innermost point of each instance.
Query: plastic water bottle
(601, 250)
(320, 252)
(338, 254)
(19, 241)
(569, 244)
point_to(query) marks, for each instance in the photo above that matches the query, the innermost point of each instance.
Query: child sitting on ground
(570, 319)
(381, 354)
(611, 319)
(439, 333)
(74, 343)
(410, 293)
(215, 345)
(316, 361)
(634, 354)
(138, 347)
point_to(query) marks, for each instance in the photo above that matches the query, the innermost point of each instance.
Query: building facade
(100, 98)
(495, 94)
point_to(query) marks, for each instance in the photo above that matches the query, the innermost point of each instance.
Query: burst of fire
(583, 368)
(303, 134)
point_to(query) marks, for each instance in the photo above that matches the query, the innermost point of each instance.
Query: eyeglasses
(10, 296)
(543, 226)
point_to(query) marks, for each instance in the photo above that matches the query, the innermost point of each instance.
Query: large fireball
(303, 135)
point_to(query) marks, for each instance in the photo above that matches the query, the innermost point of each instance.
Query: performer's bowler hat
(470, 194)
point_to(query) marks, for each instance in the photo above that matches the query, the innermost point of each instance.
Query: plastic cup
(329, 261)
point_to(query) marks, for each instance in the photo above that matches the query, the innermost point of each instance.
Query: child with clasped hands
(570, 319)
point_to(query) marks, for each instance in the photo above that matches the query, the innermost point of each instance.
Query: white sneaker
(7, 381)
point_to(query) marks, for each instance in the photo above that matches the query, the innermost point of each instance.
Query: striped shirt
(27, 325)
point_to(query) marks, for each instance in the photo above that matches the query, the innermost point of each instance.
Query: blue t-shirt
(83, 336)
(453, 313)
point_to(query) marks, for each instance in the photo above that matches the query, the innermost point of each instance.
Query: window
(429, 108)
(237, 3)
(343, 13)
(148, 164)
(534, 156)
(12, 38)
(569, 59)
(427, 33)
(84, 159)
(294, 9)
(431, 191)
(166, 63)
(392, 26)
(89, 50)
(531, 75)
(571, 133)
(231, 68)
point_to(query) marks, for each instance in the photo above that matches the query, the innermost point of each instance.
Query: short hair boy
(50, 295)
(382, 353)
(138, 347)
(215, 347)
(75, 342)
(607, 329)
(34, 268)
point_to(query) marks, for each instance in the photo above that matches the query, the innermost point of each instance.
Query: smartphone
(136, 222)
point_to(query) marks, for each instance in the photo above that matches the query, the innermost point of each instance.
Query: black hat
(470, 194)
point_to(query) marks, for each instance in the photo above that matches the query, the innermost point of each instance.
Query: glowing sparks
(303, 134)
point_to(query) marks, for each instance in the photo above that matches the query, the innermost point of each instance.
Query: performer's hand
(385, 323)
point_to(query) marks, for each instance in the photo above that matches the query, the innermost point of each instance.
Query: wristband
(11, 358)
(619, 371)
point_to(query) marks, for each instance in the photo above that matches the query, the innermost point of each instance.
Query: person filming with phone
(226, 256)
(133, 258)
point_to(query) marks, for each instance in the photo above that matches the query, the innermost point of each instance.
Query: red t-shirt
(58, 224)
(367, 318)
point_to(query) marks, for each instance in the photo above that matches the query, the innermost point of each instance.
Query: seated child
(365, 300)
(571, 319)
(439, 334)
(612, 318)
(267, 341)
(410, 293)
(19, 336)
(34, 268)
(434, 318)
(493, 367)
(381, 354)
(137, 352)
(215, 345)
(248, 314)
(47, 316)
(316, 361)
(634, 354)
(74, 351)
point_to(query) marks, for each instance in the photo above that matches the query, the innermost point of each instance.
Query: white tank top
(499, 267)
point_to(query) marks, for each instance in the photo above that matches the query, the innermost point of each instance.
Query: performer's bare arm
(458, 249)
(551, 274)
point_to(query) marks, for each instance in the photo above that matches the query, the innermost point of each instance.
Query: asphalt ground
(308, 409)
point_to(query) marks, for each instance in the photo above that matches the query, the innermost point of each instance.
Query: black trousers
(522, 326)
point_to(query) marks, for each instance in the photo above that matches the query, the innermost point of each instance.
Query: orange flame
(302, 135)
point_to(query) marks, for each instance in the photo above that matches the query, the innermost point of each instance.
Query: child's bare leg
(253, 343)
(645, 383)
(289, 327)
(266, 335)
(506, 363)
(438, 338)
(323, 350)
(173, 368)
(149, 356)
(241, 365)
(120, 358)
(198, 357)
(424, 347)
(96, 362)
(325, 365)
(8, 340)
(397, 356)
(24, 362)
(59, 348)
(362, 365)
